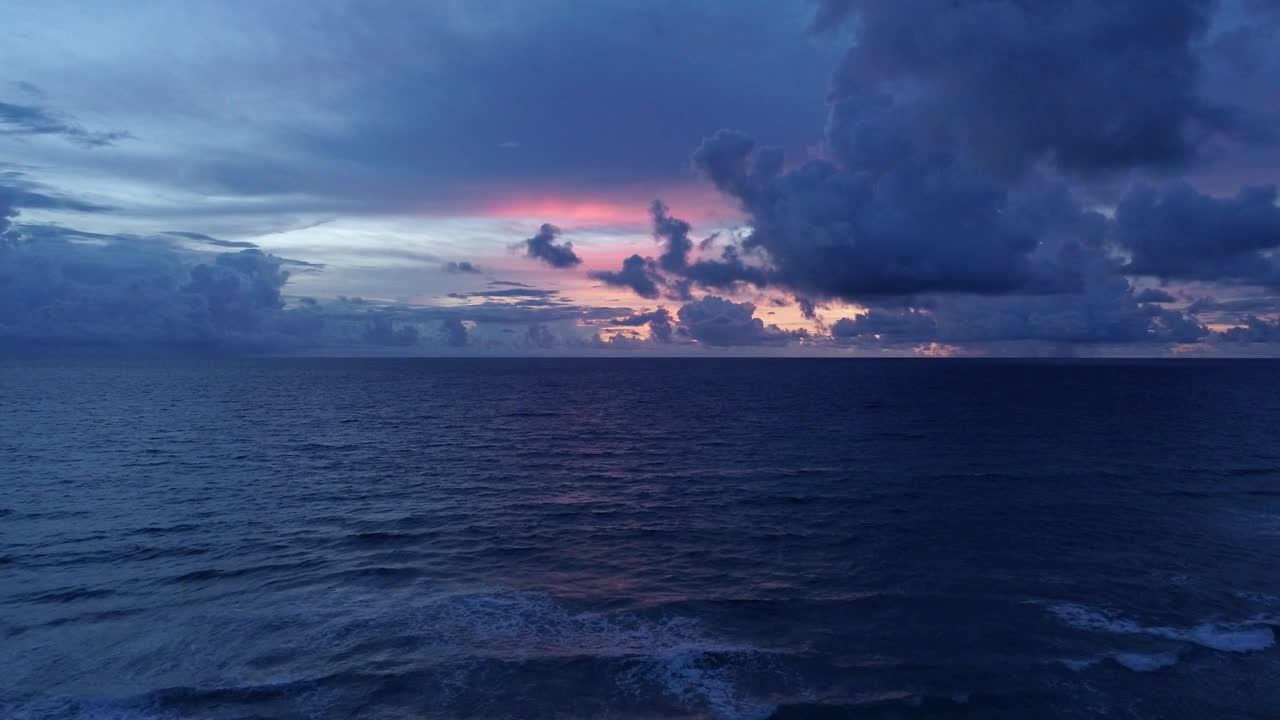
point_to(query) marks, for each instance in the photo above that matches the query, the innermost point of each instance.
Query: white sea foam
(1146, 662)
(688, 678)
(1249, 636)
(515, 625)
(1079, 664)
(1137, 662)
(674, 655)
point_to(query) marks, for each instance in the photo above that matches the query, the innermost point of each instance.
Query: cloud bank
(981, 175)
(999, 172)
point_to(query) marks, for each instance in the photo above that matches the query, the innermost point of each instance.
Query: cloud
(453, 332)
(61, 287)
(640, 274)
(37, 120)
(383, 331)
(461, 268)
(960, 185)
(231, 295)
(1254, 330)
(1154, 295)
(1105, 312)
(1088, 85)
(934, 193)
(659, 322)
(922, 225)
(542, 246)
(215, 242)
(909, 325)
(673, 270)
(719, 322)
(1184, 234)
(515, 292)
(19, 191)
(1097, 306)
(539, 336)
(1252, 304)
(426, 100)
(57, 288)
(488, 67)
(725, 273)
(674, 234)
(7, 210)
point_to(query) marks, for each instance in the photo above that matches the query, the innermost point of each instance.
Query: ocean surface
(630, 538)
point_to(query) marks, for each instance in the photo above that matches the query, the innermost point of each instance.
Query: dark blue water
(638, 539)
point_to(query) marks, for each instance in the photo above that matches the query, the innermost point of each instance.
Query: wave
(1146, 662)
(1249, 636)
(166, 529)
(1137, 662)
(65, 595)
(480, 649)
(674, 655)
(74, 709)
(387, 538)
(205, 575)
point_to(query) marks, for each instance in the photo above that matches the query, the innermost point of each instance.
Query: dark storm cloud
(719, 322)
(461, 268)
(640, 274)
(1099, 306)
(725, 273)
(877, 324)
(542, 246)
(1182, 233)
(945, 120)
(232, 294)
(659, 322)
(453, 332)
(1104, 314)
(56, 288)
(1100, 317)
(1091, 85)
(921, 226)
(674, 234)
(37, 120)
(1254, 330)
(673, 271)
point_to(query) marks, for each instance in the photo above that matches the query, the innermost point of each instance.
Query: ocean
(638, 538)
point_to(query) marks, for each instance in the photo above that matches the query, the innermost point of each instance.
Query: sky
(760, 177)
